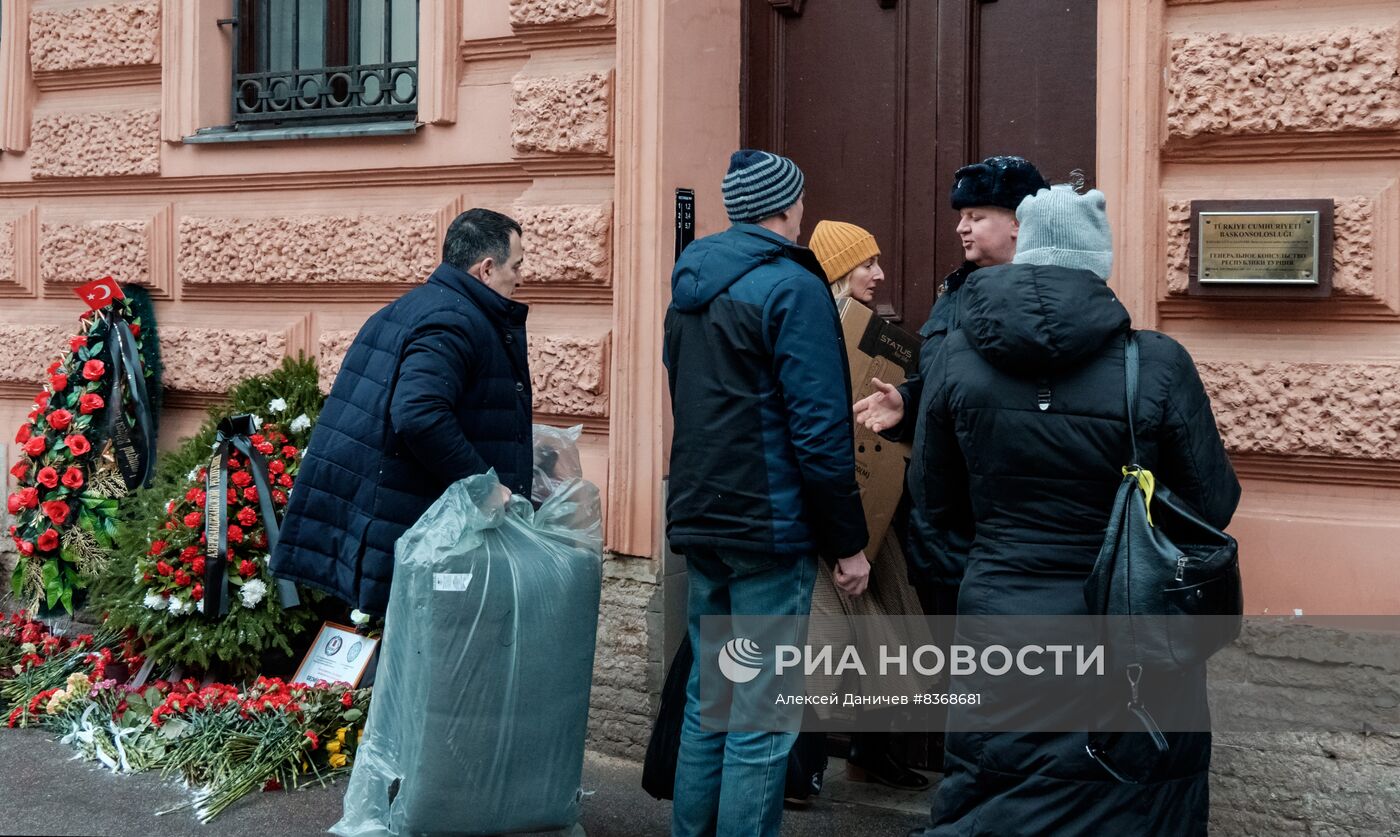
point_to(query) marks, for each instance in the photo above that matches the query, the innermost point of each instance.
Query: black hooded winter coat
(1026, 435)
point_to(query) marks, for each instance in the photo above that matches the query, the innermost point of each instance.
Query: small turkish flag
(99, 293)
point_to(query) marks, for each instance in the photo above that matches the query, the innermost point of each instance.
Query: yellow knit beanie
(841, 247)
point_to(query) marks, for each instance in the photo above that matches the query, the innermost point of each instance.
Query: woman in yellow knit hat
(850, 257)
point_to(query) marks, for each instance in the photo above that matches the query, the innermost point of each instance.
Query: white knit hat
(1064, 228)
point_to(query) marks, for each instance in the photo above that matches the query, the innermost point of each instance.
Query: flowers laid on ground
(224, 740)
(158, 587)
(67, 477)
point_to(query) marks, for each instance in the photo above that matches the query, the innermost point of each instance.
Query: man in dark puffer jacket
(1025, 440)
(435, 388)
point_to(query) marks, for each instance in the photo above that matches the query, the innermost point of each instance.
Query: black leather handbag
(1161, 563)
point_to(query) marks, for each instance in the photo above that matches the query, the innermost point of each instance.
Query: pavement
(43, 791)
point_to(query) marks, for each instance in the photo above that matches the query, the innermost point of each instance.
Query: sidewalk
(46, 793)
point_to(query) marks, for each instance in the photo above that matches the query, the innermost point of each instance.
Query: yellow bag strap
(1147, 482)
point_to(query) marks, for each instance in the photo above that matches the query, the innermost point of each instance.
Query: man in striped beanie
(762, 486)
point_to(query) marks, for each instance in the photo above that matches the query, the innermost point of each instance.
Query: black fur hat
(996, 181)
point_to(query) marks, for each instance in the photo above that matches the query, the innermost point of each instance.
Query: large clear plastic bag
(480, 704)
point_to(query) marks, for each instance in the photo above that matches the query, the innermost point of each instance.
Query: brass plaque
(1258, 248)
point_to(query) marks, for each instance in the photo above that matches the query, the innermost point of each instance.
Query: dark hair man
(435, 388)
(763, 478)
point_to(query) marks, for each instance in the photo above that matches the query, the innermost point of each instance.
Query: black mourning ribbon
(233, 433)
(135, 455)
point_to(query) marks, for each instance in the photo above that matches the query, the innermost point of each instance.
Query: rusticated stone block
(569, 113)
(7, 250)
(546, 12)
(309, 250)
(212, 360)
(81, 252)
(1331, 409)
(109, 35)
(1227, 84)
(567, 375)
(331, 347)
(1353, 247)
(619, 718)
(567, 244)
(27, 350)
(96, 143)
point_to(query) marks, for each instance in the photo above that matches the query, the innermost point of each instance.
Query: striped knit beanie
(760, 185)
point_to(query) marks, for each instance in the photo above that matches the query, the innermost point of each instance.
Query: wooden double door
(880, 101)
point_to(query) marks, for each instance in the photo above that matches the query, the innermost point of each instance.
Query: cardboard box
(877, 349)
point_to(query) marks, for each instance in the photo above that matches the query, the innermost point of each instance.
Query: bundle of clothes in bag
(480, 705)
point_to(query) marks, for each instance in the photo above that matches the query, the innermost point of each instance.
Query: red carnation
(60, 419)
(36, 446)
(197, 566)
(54, 367)
(19, 470)
(28, 497)
(277, 466)
(242, 478)
(73, 478)
(192, 493)
(12, 504)
(93, 369)
(265, 449)
(315, 740)
(247, 517)
(182, 578)
(78, 444)
(135, 329)
(188, 553)
(197, 592)
(250, 494)
(285, 480)
(289, 451)
(25, 547)
(48, 541)
(90, 403)
(247, 568)
(193, 519)
(279, 497)
(77, 343)
(42, 399)
(347, 699)
(24, 434)
(59, 383)
(47, 477)
(232, 496)
(57, 511)
(235, 534)
(164, 568)
(257, 438)
(157, 547)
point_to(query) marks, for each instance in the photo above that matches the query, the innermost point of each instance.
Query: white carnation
(176, 605)
(252, 593)
(359, 617)
(154, 601)
(299, 423)
(200, 607)
(194, 473)
(277, 405)
(257, 422)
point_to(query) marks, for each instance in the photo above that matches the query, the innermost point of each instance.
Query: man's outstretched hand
(882, 409)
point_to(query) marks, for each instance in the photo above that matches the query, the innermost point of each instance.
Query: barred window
(325, 60)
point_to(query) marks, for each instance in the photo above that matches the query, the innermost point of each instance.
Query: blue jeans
(730, 784)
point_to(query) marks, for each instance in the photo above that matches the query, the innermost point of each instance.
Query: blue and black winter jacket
(763, 456)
